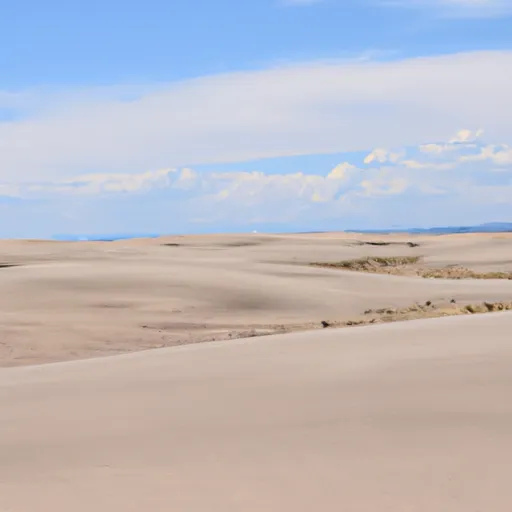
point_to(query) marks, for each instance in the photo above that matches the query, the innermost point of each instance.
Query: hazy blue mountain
(490, 227)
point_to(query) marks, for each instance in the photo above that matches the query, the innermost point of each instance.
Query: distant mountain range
(490, 227)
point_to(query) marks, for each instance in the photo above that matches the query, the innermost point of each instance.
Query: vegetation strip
(417, 311)
(377, 316)
(405, 266)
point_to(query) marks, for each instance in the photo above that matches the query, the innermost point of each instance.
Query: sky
(263, 115)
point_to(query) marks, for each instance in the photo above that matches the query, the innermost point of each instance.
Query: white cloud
(500, 155)
(93, 184)
(454, 186)
(437, 149)
(382, 155)
(504, 156)
(384, 185)
(300, 109)
(414, 164)
(465, 136)
(187, 179)
(401, 168)
(342, 171)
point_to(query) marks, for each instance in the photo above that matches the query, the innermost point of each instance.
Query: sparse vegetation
(461, 273)
(407, 265)
(417, 311)
(241, 243)
(379, 243)
(372, 263)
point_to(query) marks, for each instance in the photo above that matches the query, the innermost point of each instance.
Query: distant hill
(490, 227)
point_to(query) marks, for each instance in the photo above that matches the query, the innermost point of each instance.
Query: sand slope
(409, 417)
(65, 301)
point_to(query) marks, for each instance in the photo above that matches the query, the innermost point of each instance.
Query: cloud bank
(466, 179)
(300, 109)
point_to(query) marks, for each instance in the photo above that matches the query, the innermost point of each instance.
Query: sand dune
(63, 301)
(413, 416)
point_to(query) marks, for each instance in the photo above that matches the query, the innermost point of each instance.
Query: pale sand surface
(67, 301)
(405, 417)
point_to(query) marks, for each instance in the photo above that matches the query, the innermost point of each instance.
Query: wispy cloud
(458, 8)
(299, 109)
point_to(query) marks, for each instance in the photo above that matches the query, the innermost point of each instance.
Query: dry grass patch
(408, 266)
(417, 311)
(179, 335)
(457, 272)
(373, 263)
(387, 244)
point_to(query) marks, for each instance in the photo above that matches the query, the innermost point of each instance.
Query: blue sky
(222, 115)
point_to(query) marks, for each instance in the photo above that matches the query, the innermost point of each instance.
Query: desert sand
(63, 301)
(409, 416)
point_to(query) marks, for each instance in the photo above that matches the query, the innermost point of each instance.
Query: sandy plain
(408, 416)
